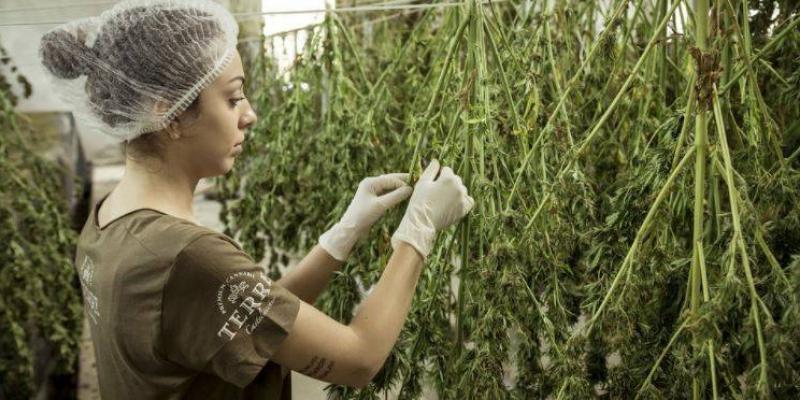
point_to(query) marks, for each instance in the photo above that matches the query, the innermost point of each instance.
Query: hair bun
(64, 54)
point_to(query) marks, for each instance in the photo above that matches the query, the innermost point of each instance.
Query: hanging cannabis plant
(597, 261)
(39, 300)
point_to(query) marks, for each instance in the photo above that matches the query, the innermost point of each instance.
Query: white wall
(275, 24)
(22, 44)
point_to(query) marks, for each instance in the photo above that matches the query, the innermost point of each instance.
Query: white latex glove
(369, 203)
(435, 205)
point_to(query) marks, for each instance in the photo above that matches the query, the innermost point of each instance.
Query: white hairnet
(138, 65)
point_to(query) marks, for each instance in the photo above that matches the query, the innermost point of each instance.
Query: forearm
(382, 314)
(311, 275)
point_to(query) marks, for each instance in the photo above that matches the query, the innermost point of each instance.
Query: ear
(172, 130)
(159, 108)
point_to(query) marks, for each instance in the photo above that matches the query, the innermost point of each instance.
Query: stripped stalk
(557, 80)
(701, 261)
(700, 144)
(688, 112)
(475, 56)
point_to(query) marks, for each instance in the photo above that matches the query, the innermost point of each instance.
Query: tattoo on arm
(308, 367)
(317, 368)
(327, 369)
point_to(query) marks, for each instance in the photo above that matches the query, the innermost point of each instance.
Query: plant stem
(438, 277)
(474, 58)
(643, 229)
(789, 28)
(448, 58)
(700, 141)
(687, 114)
(454, 41)
(661, 357)
(570, 85)
(633, 74)
(506, 86)
(733, 197)
(353, 50)
(608, 111)
(701, 261)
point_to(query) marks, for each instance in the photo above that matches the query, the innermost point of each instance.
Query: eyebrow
(238, 77)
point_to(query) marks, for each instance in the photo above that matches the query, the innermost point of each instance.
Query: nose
(250, 118)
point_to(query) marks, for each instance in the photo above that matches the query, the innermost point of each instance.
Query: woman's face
(208, 143)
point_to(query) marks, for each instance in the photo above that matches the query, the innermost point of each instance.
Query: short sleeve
(221, 313)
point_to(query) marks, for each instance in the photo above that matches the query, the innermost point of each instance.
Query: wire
(100, 3)
(378, 3)
(314, 25)
(290, 31)
(372, 2)
(96, 3)
(387, 7)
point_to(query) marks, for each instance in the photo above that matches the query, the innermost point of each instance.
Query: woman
(176, 309)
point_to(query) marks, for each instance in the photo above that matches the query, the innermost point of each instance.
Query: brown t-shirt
(178, 310)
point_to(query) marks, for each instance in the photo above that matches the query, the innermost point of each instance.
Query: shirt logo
(242, 295)
(86, 273)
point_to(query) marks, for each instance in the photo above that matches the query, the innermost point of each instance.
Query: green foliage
(39, 299)
(575, 144)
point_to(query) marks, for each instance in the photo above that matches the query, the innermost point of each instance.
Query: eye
(235, 102)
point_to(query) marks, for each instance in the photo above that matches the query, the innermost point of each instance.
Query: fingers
(446, 172)
(448, 175)
(430, 172)
(383, 183)
(403, 176)
(469, 202)
(395, 197)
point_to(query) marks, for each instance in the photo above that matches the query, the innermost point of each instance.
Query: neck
(166, 188)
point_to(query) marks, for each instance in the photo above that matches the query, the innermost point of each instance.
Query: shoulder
(209, 259)
(208, 245)
(167, 236)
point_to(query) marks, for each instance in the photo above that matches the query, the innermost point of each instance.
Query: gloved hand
(435, 205)
(369, 203)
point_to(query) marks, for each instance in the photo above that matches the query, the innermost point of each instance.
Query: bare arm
(311, 275)
(322, 348)
(351, 355)
(381, 316)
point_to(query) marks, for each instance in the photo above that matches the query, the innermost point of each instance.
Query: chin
(228, 165)
(221, 168)
(225, 169)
